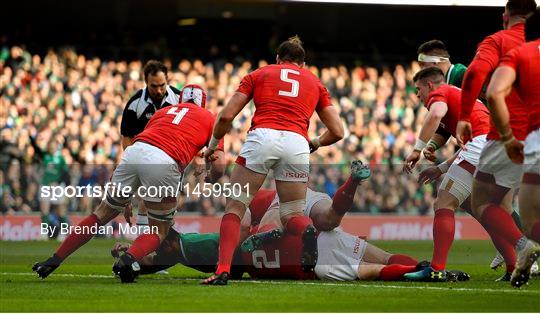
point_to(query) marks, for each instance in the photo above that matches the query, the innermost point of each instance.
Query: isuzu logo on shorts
(296, 175)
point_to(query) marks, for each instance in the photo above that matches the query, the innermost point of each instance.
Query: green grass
(85, 284)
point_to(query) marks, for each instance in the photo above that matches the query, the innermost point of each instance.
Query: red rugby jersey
(285, 97)
(280, 259)
(180, 130)
(487, 58)
(451, 95)
(525, 60)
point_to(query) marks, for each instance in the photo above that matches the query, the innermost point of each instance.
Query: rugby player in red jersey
(519, 70)
(443, 103)
(496, 176)
(285, 96)
(157, 158)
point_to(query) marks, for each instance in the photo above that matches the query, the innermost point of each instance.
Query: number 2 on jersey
(284, 76)
(179, 114)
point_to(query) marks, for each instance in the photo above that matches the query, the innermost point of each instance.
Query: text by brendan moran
(66, 229)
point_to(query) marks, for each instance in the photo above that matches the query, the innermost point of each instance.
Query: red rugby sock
(506, 249)
(229, 236)
(297, 224)
(144, 245)
(75, 240)
(497, 221)
(402, 259)
(444, 225)
(343, 199)
(395, 272)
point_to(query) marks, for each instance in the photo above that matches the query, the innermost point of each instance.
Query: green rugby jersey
(200, 250)
(455, 74)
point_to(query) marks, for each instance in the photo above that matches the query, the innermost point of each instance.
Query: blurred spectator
(73, 105)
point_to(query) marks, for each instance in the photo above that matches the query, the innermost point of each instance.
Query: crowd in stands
(60, 116)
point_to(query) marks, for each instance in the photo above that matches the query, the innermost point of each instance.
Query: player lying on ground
(272, 254)
(173, 136)
(286, 95)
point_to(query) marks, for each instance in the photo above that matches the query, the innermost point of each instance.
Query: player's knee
(326, 222)
(243, 197)
(445, 201)
(291, 209)
(105, 213)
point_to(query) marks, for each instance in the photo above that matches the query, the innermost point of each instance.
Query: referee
(142, 106)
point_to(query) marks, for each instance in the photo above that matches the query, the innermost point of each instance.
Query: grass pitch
(85, 284)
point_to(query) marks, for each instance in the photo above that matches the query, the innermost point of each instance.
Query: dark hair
(291, 50)
(153, 67)
(433, 74)
(532, 26)
(520, 7)
(434, 46)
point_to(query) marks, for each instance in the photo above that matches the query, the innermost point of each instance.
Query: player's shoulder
(133, 100)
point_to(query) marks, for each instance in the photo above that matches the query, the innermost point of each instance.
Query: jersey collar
(449, 73)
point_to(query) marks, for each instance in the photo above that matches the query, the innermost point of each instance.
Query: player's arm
(129, 125)
(225, 118)
(436, 112)
(485, 61)
(500, 86)
(437, 141)
(334, 128)
(126, 141)
(217, 166)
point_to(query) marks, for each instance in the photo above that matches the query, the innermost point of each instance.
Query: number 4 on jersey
(284, 76)
(179, 114)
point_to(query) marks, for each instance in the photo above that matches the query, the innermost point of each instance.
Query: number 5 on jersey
(179, 114)
(284, 76)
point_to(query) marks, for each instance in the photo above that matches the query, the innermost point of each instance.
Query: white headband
(427, 58)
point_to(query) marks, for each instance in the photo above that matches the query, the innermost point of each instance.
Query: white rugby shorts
(496, 167)
(340, 255)
(531, 167)
(148, 170)
(285, 152)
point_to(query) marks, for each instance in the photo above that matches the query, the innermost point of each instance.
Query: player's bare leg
(101, 216)
(528, 251)
(229, 232)
(160, 219)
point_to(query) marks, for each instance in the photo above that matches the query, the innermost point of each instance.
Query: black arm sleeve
(443, 132)
(130, 125)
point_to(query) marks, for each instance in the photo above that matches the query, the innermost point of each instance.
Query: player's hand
(514, 150)
(429, 153)
(128, 213)
(210, 155)
(312, 148)
(463, 133)
(119, 247)
(429, 175)
(198, 165)
(411, 160)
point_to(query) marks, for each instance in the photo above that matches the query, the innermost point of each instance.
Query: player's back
(280, 259)
(180, 131)
(502, 42)
(285, 97)
(451, 95)
(526, 61)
